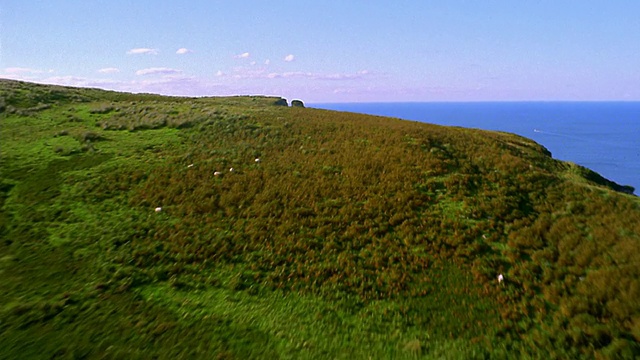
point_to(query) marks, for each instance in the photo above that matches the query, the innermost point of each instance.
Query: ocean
(602, 136)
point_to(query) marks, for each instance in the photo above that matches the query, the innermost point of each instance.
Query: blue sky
(330, 51)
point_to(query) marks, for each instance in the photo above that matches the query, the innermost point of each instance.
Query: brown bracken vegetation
(404, 222)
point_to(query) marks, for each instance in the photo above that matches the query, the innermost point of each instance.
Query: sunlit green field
(141, 226)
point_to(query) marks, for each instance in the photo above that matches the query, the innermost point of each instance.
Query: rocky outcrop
(297, 103)
(594, 177)
(281, 102)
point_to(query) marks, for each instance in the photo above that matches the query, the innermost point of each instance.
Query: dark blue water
(603, 136)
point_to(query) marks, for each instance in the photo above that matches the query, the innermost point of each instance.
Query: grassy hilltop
(353, 236)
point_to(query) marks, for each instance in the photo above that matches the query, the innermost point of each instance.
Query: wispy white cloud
(109, 70)
(267, 62)
(181, 86)
(242, 56)
(288, 75)
(183, 51)
(342, 76)
(248, 73)
(23, 70)
(243, 73)
(77, 81)
(23, 73)
(219, 73)
(289, 58)
(158, 71)
(175, 85)
(147, 51)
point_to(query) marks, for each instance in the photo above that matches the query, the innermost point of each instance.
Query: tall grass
(353, 236)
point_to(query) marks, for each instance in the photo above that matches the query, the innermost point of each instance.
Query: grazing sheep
(231, 170)
(257, 160)
(158, 209)
(190, 165)
(217, 173)
(500, 279)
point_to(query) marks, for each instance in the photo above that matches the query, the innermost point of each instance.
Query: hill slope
(137, 226)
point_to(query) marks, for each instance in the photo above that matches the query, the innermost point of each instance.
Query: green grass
(354, 236)
(300, 326)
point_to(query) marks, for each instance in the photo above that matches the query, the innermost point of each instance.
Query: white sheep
(158, 209)
(500, 279)
(257, 160)
(231, 170)
(217, 173)
(190, 165)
